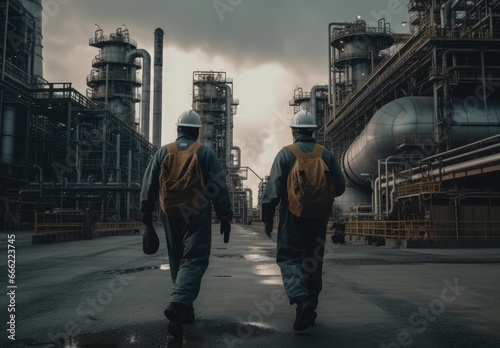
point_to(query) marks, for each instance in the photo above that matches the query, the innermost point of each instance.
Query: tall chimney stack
(158, 80)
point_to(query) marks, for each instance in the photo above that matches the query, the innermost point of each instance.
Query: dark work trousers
(301, 247)
(188, 244)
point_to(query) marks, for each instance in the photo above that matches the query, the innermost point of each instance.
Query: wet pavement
(106, 293)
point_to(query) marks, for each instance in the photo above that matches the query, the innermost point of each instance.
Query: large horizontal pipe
(413, 116)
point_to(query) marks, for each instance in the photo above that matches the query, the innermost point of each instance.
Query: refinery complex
(413, 117)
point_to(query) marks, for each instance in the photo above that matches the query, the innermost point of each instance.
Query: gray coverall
(301, 241)
(188, 239)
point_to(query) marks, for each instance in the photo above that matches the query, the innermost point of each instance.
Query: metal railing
(72, 221)
(432, 230)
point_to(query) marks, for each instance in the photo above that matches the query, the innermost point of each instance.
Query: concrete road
(106, 293)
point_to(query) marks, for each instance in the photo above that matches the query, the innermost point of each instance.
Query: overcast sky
(268, 47)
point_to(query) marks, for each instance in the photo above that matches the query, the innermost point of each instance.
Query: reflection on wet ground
(163, 267)
(203, 333)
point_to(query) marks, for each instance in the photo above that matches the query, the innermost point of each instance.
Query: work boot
(174, 313)
(188, 316)
(304, 317)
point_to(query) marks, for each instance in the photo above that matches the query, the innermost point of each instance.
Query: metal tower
(113, 80)
(213, 101)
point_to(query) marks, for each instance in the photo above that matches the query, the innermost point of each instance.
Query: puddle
(267, 270)
(257, 257)
(162, 267)
(276, 280)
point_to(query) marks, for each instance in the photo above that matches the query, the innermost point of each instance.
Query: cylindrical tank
(413, 116)
(8, 134)
(35, 8)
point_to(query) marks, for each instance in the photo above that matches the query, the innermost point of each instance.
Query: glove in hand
(225, 228)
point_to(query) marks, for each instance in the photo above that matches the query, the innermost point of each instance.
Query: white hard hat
(303, 119)
(189, 119)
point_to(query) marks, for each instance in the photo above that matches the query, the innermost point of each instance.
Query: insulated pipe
(413, 115)
(158, 81)
(146, 78)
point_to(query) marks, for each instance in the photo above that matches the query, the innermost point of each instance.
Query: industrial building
(64, 153)
(414, 119)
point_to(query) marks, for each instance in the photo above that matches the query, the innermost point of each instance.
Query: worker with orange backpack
(187, 178)
(304, 180)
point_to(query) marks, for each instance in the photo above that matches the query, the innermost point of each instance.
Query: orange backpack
(311, 190)
(181, 181)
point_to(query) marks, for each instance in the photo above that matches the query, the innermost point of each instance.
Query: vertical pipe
(35, 8)
(68, 127)
(129, 182)
(228, 125)
(314, 101)
(435, 96)
(118, 172)
(77, 155)
(6, 30)
(379, 198)
(483, 80)
(104, 138)
(106, 87)
(158, 81)
(146, 88)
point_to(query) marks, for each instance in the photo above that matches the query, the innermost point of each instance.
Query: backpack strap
(317, 152)
(172, 148)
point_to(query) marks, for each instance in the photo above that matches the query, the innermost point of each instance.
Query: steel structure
(213, 101)
(416, 116)
(60, 149)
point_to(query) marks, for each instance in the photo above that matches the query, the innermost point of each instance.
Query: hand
(268, 228)
(225, 228)
(147, 219)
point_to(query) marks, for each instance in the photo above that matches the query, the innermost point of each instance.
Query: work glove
(268, 228)
(147, 219)
(225, 228)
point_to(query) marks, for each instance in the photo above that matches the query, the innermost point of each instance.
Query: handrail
(431, 230)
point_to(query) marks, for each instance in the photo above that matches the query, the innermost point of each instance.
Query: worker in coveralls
(301, 240)
(188, 234)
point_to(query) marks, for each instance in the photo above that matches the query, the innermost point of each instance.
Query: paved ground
(106, 293)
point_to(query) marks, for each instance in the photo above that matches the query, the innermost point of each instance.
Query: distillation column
(113, 80)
